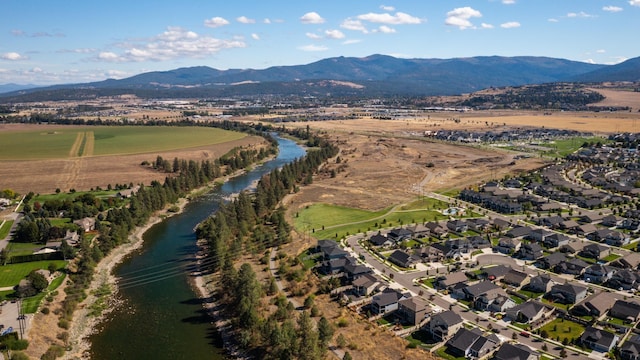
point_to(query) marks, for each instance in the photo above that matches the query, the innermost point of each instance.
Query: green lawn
(442, 352)
(558, 329)
(16, 248)
(425, 203)
(610, 257)
(30, 305)
(42, 198)
(4, 230)
(11, 274)
(530, 294)
(109, 140)
(565, 147)
(313, 218)
(557, 304)
(59, 221)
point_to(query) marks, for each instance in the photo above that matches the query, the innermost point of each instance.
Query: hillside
(375, 75)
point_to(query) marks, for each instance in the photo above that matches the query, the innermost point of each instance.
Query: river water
(159, 315)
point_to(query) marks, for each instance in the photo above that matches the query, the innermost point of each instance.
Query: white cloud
(459, 17)
(173, 43)
(601, 51)
(351, 41)
(334, 34)
(384, 18)
(508, 2)
(215, 22)
(589, 61)
(255, 36)
(387, 8)
(581, 14)
(634, 2)
(312, 18)
(386, 30)
(553, 20)
(109, 56)
(486, 26)
(116, 74)
(313, 48)
(245, 20)
(266, 21)
(510, 25)
(313, 36)
(612, 9)
(12, 56)
(355, 25)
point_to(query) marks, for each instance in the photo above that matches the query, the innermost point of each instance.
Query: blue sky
(53, 42)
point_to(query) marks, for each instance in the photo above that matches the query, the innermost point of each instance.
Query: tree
(325, 331)
(341, 341)
(4, 256)
(52, 268)
(38, 281)
(563, 353)
(307, 338)
(308, 302)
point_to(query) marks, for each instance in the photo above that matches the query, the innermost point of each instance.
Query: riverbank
(84, 324)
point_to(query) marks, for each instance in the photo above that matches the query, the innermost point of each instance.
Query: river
(159, 316)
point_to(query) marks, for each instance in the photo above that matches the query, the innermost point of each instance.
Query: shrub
(64, 324)
(45, 311)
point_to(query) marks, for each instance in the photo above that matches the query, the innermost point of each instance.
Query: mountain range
(375, 75)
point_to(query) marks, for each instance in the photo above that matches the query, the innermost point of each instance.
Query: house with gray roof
(567, 293)
(598, 339)
(541, 283)
(516, 278)
(443, 325)
(598, 273)
(365, 285)
(450, 280)
(471, 343)
(403, 259)
(630, 350)
(555, 240)
(510, 351)
(595, 305)
(628, 311)
(386, 301)
(380, 240)
(508, 245)
(413, 310)
(573, 266)
(530, 252)
(624, 279)
(629, 261)
(551, 260)
(529, 312)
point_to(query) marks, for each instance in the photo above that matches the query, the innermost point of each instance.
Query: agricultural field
(43, 158)
(70, 142)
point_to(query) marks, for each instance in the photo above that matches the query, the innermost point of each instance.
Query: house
(595, 305)
(444, 324)
(380, 240)
(365, 285)
(500, 224)
(611, 221)
(551, 221)
(529, 312)
(403, 259)
(598, 273)
(516, 278)
(568, 225)
(457, 226)
(386, 301)
(573, 266)
(567, 293)
(447, 251)
(86, 224)
(399, 234)
(598, 340)
(494, 273)
(430, 254)
(555, 240)
(127, 193)
(539, 235)
(625, 279)
(510, 351)
(594, 251)
(540, 284)
(471, 343)
(550, 261)
(450, 280)
(337, 265)
(630, 350)
(419, 231)
(530, 252)
(629, 261)
(436, 230)
(519, 232)
(331, 250)
(413, 310)
(628, 311)
(354, 270)
(478, 224)
(508, 245)
(584, 229)
(616, 238)
(486, 295)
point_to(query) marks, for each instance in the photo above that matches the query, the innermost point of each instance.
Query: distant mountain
(375, 75)
(625, 71)
(14, 87)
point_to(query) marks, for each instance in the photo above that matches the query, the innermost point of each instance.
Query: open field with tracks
(42, 158)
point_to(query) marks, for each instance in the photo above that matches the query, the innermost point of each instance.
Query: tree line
(250, 224)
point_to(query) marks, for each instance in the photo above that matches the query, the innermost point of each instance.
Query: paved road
(406, 281)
